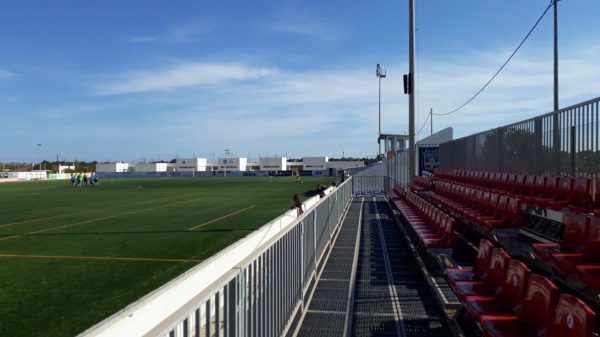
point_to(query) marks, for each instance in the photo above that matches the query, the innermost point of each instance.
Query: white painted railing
(255, 287)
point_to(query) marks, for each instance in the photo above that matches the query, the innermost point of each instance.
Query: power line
(425, 123)
(505, 63)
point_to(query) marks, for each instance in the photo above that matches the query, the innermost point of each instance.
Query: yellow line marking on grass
(96, 210)
(98, 219)
(106, 258)
(221, 218)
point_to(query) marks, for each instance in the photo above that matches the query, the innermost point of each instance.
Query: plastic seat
(548, 193)
(487, 208)
(445, 238)
(575, 235)
(508, 300)
(563, 192)
(590, 275)
(485, 179)
(491, 284)
(535, 317)
(497, 215)
(528, 187)
(512, 216)
(536, 189)
(572, 318)
(580, 200)
(479, 271)
(518, 184)
(589, 255)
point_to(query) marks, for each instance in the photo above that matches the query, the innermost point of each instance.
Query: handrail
(240, 290)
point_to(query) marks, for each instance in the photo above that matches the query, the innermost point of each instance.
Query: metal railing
(264, 291)
(563, 143)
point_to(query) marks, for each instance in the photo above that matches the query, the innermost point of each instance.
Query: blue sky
(125, 80)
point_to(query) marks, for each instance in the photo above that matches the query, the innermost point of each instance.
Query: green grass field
(70, 257)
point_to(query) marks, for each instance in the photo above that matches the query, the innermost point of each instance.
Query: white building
(345, 164)
(62, 168)
(190, 164)
(314, 163)
(232, 164)
(112, 167)
(273, 164)
(151, 167)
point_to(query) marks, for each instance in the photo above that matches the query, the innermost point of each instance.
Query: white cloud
(184, 33)
(184, 75)
(6, 74)
(298, 23)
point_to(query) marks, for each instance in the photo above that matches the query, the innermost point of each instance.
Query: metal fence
(563, 143)
(265, 292)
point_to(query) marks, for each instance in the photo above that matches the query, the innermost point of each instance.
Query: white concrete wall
(190, 164)
(233, 164)
(151, 167)
(315, 163)
(112, 167)
(273, 164)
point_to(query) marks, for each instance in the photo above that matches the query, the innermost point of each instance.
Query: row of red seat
(396, 192)
(434, 228)
(419, 184)
(579, 251)
(506, 299)
(481, 207)
(546, 191)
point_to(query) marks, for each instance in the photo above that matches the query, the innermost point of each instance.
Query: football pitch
(72, 256)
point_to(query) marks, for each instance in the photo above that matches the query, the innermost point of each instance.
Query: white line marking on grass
(106, 258)
(98, 219)
(221, 218)
(96, 210)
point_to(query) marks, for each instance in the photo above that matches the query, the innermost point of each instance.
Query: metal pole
(411, 93)
(555, 121)
(555, 55)
(40, 156)
(380, 75)
(379, 134)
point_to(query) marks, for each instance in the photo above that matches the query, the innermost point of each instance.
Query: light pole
(225, 162)
(380, 75)
(40, 155)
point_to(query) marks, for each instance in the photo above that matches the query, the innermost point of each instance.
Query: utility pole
(555, 121)
(380, 74)
(411, 93)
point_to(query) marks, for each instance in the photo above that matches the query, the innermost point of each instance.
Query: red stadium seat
(536, 189)
(575, 235)
(491, 284)
(590, 275)
(580, 200)
(445, 237)
(511, 218)
(528, 187)
(548, 193)
(589, 255)
(572, 318)
(563, 192)
(518, 184)
(509, 299)
(534, 319)
(480, 269)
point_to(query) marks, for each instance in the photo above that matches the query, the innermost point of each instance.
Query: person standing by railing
(298, 204)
